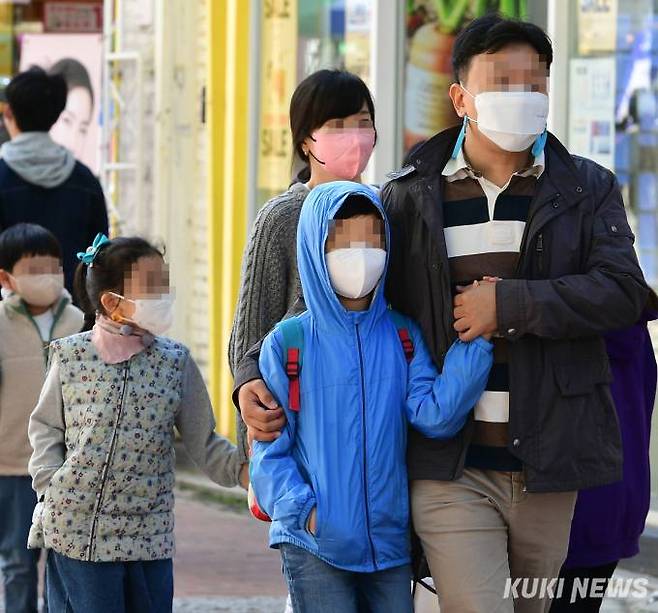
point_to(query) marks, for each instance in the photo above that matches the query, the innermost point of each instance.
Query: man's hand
(263, 416)
(313, 521)
(244, 477)
(475, 310)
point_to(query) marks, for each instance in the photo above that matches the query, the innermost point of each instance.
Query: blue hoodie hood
(319, 209)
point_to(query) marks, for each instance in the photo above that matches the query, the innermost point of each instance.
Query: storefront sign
(592, 109)
(597, 26)
(73, 17)
(278, 81)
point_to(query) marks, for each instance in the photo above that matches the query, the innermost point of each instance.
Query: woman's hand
(264, 417)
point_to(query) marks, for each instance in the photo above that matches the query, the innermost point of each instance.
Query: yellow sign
(597, 26)
(278, 81)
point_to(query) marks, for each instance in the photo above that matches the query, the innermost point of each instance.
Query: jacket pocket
(318, 511)
(614, 225)
(581, 378)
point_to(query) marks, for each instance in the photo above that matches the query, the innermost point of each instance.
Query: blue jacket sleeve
(280, 488)
(438, 404)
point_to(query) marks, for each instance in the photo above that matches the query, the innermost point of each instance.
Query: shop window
(297, 39)
(63, 37)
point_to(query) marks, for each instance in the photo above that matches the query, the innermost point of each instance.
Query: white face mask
(512, 120)
(354, 272)
(39, 290)
(155, 315)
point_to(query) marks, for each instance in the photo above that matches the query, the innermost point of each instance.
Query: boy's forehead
(36, 263)
(360, 223)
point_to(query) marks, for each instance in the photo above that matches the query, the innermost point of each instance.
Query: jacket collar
(560, 170)
(16, 305)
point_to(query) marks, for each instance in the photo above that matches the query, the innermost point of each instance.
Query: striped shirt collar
(458, 168)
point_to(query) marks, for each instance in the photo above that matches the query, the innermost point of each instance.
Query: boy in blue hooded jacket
(334, 482)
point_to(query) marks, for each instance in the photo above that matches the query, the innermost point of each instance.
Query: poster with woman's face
(77, 57)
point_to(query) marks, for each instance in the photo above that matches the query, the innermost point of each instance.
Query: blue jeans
(17, 563)
(318, 587)
(75, 586)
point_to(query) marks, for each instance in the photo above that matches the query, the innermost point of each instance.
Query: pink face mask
(344, 153)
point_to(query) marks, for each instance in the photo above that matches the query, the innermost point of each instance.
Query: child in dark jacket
(335, 482)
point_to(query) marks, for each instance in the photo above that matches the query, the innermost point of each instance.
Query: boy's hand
(475, 310)
(244, 477)
(313, 521)
(264, 424)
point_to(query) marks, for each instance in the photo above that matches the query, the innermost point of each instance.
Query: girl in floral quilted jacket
(103, 436)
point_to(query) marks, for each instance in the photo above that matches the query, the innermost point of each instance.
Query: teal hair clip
(87, 257)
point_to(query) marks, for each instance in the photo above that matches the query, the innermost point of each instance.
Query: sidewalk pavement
(222, 562)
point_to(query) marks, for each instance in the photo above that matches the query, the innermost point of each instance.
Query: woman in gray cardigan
(332, 120)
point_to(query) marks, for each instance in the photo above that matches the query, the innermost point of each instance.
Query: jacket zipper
(56, 317)
(540, 253)
(365, 464)
(526, 233)
(108, 462)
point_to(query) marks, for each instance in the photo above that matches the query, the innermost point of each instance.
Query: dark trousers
(75, 586)
(586, 604)
(18, 563)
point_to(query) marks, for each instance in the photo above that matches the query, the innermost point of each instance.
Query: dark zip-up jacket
(578, 277)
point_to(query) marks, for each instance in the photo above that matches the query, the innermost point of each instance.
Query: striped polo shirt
(483, 226)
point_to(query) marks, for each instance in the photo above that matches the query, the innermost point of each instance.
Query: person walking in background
(335, 481)
(103, 439)
(609, 520)
(332, 121)
(36, 310)
(40, 181)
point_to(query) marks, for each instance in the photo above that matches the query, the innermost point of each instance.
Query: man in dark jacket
(497, 229)
(40, 181)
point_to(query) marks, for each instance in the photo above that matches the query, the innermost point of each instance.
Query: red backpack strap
(293, 349)
(292, 370)
(406, 341)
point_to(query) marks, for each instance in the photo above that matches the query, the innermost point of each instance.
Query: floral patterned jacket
(103, 461)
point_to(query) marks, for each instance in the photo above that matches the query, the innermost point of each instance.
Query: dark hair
(75, 74)
(107, 273)
(356, 205)
(325, 95)
(36, 99)
(489, 34)
(25, 240)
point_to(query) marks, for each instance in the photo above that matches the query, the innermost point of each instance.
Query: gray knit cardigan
(270, 283)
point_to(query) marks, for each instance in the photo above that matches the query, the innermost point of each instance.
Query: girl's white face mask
(512, 120)
(155, 315)
(354, 272)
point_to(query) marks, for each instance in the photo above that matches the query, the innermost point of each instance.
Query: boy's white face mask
(39, 290)
(354, 272)
(512, 120)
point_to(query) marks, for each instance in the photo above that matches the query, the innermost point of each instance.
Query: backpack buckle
(292, 364)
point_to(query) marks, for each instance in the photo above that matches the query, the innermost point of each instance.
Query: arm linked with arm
(610, 294)
(438, 404)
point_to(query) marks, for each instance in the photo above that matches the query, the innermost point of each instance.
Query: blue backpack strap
(293, 351)
(402, 324)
